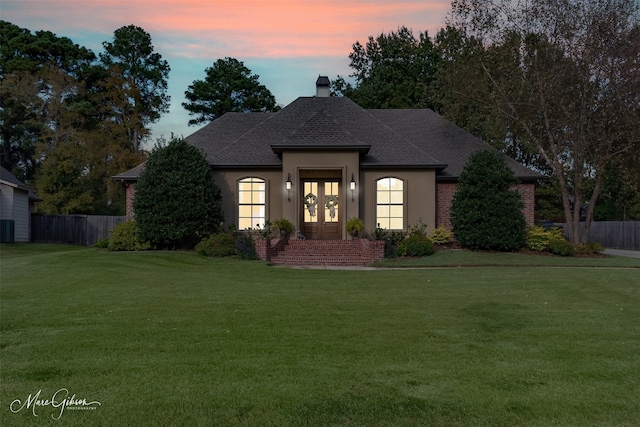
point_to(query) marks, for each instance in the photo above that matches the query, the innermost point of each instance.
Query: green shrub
(556, 233)
(416, 245)
(486, 212)
(126, 237)
(262, 233)
(418, 229)
(246, 247)
(217, 245)
(441, 236)
(177, 202)
(355, 227)
(391, 240)
(590, 248)
(102, 243)
(561, 247)
(284, 225)
(538, 238)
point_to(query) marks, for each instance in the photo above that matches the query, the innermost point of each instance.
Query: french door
(321, 210)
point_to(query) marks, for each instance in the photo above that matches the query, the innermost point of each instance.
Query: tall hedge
(486, 212)
(177, 202)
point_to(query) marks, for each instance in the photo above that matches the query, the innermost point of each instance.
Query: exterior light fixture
(288, 185)
(352, 186)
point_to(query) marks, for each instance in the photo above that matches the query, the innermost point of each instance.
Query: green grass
(173, 338)
(453, 258)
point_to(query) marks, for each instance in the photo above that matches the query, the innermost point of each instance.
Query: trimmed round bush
(590, 248)
(217, 245)
(416, 245)
(537, 239)
(486, 213)
(126, 237)
(177, 202)
(561, 247)
(441, 236)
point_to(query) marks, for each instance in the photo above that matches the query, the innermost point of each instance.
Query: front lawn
(173, 338)
(467, 258)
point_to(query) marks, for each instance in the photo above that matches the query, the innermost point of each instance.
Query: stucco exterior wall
(312, 164)
(419, 196)
(424, 199)
(228, 183)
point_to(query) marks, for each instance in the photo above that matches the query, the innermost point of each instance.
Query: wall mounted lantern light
(288, 185)
(352, 186)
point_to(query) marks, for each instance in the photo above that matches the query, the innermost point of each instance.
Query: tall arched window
(390, 203)
(252, 197)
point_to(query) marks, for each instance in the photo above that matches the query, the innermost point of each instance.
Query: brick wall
(529, 199)
(130, 192)
(321, 252)
(444, 195)
(445, 191)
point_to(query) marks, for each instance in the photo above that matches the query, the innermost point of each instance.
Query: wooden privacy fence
(615, 234)
(83, 230)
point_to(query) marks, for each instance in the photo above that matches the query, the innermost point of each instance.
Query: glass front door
(321, 211)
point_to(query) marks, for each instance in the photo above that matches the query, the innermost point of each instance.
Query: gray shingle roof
(131, 174)
(417, 138)
(239, 139)
(10, 179)
(443, 140)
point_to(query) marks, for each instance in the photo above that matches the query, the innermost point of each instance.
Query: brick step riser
(325, 252)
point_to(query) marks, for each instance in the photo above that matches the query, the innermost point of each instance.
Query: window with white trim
(390, 203)
(252, 197)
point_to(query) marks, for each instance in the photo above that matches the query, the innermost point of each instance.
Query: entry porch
(295, 252)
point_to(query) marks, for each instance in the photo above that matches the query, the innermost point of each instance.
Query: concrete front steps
(355, 252)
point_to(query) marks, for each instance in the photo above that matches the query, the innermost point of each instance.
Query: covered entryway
(321, 208)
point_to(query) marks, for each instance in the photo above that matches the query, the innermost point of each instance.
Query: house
(16, 206)
(322, 160)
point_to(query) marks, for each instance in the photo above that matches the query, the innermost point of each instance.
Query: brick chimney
(322, 87)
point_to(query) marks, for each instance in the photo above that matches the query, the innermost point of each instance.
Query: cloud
(240, 28)
(287, 42)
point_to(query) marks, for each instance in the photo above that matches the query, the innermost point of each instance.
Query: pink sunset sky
(287, 43)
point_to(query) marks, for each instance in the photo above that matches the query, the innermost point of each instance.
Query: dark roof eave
(361, 148)
(245, 166)
(34, 197)
(131, 178)
(437, 167)
(528, 179)
(124, 178)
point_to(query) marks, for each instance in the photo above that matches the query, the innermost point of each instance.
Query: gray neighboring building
(16, 206)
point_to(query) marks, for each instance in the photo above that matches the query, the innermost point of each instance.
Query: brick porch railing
(354, 252)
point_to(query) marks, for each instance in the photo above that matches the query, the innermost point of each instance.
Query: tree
(228, 86)
(25, 61)
(486, 212)
(460, 91)
(66, 122)
(177, 202)
(145, 70)
(391, 71)
(565, 74)
(114, 125)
